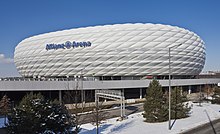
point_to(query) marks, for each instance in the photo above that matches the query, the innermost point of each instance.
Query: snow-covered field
(135, 123)
(2, 123)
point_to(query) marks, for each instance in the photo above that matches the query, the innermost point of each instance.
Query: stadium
(120, 51)
(124, 57)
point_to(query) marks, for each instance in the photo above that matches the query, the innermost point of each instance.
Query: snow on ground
(2, 123)
(135, 122)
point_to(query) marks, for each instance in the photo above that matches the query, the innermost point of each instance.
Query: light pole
(200, 94)
(170, 86)
(169, 93)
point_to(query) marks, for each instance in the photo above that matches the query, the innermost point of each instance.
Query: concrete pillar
(122, 104)
(140, 93)
(95, 97)
(96, 100)
(189, 91)
(123, 92)
(83, 97)
(121, 108)
(181, 90)
(123, 101)
(60, 97)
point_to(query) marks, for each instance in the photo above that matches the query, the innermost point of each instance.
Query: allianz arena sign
(68, 45)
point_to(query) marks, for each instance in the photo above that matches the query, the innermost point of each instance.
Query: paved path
(213, 127)
(114, 112)
(3, 131)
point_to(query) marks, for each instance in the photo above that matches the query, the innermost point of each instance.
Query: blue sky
(20, 19)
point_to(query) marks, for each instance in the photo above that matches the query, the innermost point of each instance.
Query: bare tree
(98, 115)
(208, 90)
(72, 97)
(5, 106)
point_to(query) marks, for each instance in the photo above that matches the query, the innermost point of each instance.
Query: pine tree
(155, 108)
(179, 105)
(38, 115)
(5, 106)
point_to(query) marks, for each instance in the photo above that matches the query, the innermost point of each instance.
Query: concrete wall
(91, 85)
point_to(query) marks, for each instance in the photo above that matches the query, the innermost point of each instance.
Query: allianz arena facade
(112, 50)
